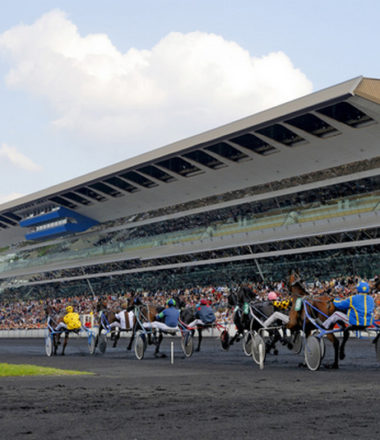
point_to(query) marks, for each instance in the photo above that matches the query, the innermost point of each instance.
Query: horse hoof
(331, 366)
(301, 365)
(342, 356)
(160, 355)
(197, 349)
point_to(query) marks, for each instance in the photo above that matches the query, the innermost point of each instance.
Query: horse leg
(113, 333)
(376, 339)
(335, 343)
(273, 339)
(98, 335)
(55, 343)
(235, 338)
(346, 334)
(129, 347)
(134, 330)
(158, 343)
(199, 340)
(239, 330)
(65, 343)
(116, 338)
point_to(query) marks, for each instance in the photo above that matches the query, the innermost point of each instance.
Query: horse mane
(148, 311)
(232, 299)
(295, 283)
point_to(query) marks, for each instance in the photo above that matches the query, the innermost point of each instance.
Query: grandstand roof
(335, 126)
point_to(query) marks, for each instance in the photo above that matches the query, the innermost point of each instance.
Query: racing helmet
(272, 296)
(171, 302)
(69, 309)
(204, 301)
(363, 287)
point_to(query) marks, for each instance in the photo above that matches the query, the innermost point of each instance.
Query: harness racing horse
(55, 317)
(242, 321)
(298, 320)
(114, 322)
(187, 316)
(253, 320)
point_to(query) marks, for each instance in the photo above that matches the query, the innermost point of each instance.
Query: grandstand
(297, 185)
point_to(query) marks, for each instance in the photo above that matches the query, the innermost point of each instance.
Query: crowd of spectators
(17, 312)
(365, 259)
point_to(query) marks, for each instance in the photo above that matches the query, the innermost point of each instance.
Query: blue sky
(84, 84)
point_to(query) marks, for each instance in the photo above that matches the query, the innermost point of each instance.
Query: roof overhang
(272, 157)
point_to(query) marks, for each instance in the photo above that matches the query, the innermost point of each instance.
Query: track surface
(213, 395)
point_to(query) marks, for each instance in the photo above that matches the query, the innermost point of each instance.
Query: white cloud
(18, 159)
(8, 197)
(186, 83)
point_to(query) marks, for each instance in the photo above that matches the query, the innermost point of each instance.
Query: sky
(87, 83)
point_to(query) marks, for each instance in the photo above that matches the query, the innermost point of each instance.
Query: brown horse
(297, 317)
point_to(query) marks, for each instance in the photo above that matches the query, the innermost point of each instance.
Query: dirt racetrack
(213, 395)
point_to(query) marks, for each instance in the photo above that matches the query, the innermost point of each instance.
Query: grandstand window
(204, 159)
(254, 143)
(122, 184)
(100, 186)
(313, 125)
(281, 134)
(90, 193)
(227, 151)
(179, 166)
(6, 220)
(139, 179)
(346, 113)
(12, 216)
(156, 173)
(76, 198)
(63, 202)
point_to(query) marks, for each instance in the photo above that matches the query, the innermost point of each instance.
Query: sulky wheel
(323, 347)
(92, 343)
(313, 353)
(49, 346)
(247, 344)
(140, 345)
(225, 340)
(296, 342)
(187, 344)
(258, 350)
